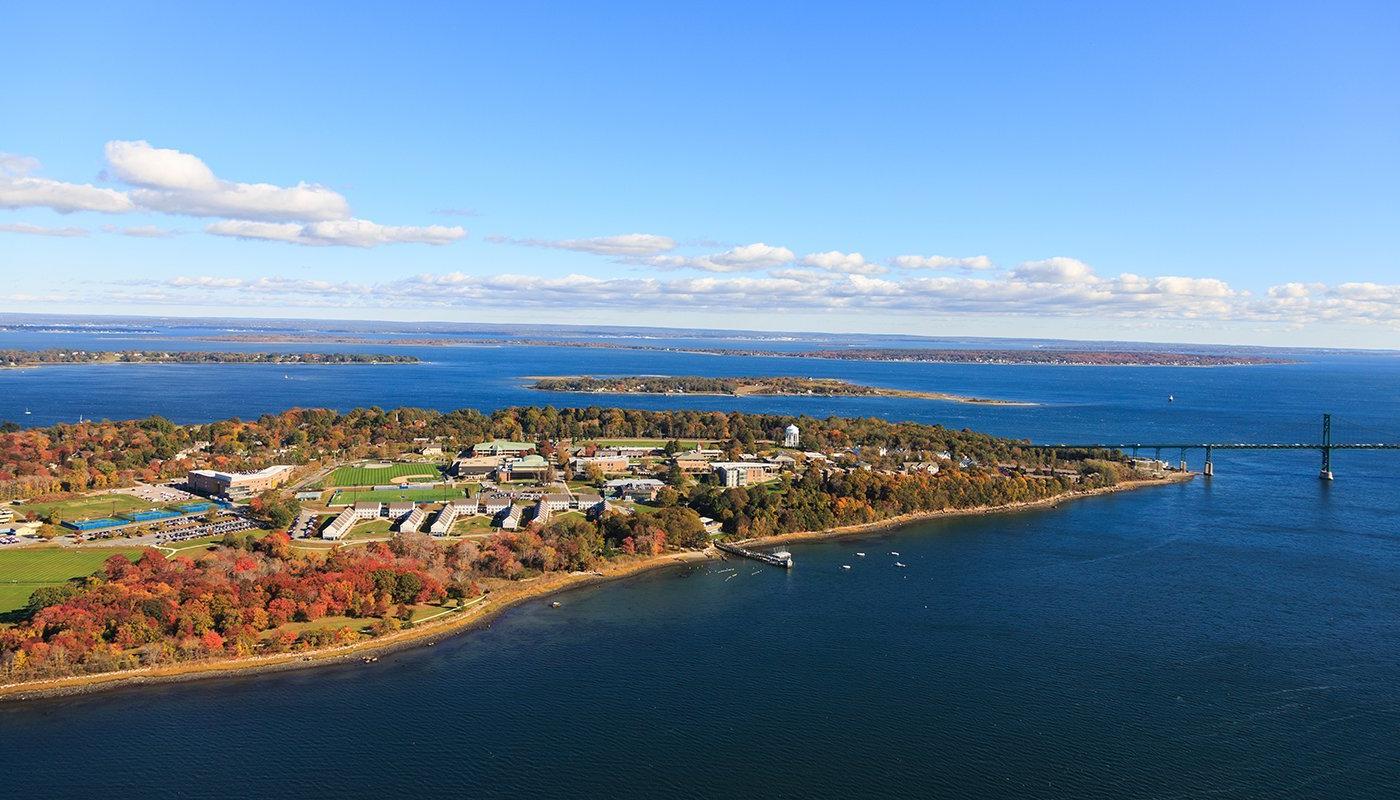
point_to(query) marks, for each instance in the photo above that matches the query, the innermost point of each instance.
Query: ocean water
(1237, 637)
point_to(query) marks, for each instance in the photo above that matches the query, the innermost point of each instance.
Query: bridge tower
(1210, 463)
(1326, 473)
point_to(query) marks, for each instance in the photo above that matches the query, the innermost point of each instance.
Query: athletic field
(378, 476)
(345, 497)
(22, 571)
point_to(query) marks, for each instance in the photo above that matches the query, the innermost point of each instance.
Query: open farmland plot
(379, 476)
(23, 571)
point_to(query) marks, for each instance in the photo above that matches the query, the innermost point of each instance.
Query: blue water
(1235, 638)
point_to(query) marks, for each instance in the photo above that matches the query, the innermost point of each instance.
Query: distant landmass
(38, 358)
(735, 386)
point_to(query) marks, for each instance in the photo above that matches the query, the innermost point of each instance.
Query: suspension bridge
(1325, 447)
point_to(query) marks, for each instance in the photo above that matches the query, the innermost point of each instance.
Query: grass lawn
(375, 528)
(345, 497)
(476, 523)
(23, 571)
(88, 507)
(366, 476)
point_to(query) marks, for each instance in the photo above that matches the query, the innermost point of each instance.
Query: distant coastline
(927, 355)
(16, 359)
(772, 386)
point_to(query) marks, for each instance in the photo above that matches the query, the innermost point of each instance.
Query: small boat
(1171, 398)
(555, 604)
(27, 411)
(845, 566)
(894, 552)
(862, 555)
(900, 564)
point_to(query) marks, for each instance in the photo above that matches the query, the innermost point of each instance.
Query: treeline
(695, 384)
(29, 358)
(94, 455)
(1039, 356)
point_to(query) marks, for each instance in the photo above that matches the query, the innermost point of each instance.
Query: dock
(781, 558)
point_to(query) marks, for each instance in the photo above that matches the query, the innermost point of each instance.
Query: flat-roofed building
(475, 466)
(604, 463)
(634, 488)
(531, 467)
(743, 473)
(238, 485)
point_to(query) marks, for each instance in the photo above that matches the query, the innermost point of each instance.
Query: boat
(845, 566)
(1171, 398)
(555, 604)
(894, 552)
(900, 564)
(862, 555)
(27, 411)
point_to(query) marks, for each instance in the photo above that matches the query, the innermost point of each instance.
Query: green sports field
(23, 571)
(378, 476)
(345, 497)
(89, 507)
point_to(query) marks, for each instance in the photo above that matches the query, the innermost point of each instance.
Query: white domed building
(791, 436)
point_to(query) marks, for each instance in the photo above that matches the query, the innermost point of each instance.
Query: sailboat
(27, 411)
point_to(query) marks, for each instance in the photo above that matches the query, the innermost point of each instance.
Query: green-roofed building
(503, 447)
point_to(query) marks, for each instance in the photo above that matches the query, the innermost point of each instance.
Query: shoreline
(498, 602)
(872, 392)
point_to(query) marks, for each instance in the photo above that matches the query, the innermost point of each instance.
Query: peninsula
(144, 550)
(777, 386)
(39, 358)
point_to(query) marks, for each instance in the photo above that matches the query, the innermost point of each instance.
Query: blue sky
(1195, 172)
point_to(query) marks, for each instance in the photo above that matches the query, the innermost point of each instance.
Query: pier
(1324, 447)
(782, 558)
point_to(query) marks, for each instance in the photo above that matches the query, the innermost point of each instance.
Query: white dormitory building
(443, 523)
(347, 519)
(413, 521)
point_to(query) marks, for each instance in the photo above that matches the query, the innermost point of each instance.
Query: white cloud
(942, 262)
(19, 189)
(179, 183)
(142, 231)
(738, 259)
(346, 232)
(40, 230)
(1058, 269)
(625, 245)
(841, 263)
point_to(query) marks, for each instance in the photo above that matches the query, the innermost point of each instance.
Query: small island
(40, 358)
(771, 386)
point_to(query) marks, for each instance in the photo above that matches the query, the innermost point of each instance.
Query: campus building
(743, 473)
(238, 485)
(502, 447)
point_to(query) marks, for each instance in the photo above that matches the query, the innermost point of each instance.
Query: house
(931, 467)
(783, 460)
(712, 527)
(503, 447)
(430, 452)
(743, 473)
(412, 522)
(531, 467)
